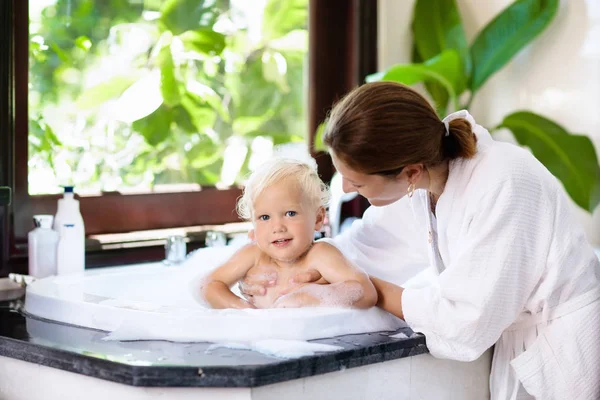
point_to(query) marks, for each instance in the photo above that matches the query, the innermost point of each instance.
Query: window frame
(340, 31)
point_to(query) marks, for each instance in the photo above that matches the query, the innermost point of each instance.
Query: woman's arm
(389, 296)
(215, 287)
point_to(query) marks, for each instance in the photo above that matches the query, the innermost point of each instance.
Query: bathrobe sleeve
(498, 260)
(387, 242)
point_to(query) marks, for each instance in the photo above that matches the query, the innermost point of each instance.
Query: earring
(410, 190)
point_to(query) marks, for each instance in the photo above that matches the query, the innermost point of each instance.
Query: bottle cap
(43, 221)
(68, 189)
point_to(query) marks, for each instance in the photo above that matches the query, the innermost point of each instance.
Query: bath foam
(157, 302)
(251, 325)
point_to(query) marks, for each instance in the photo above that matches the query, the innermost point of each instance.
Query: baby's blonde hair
(276, 170)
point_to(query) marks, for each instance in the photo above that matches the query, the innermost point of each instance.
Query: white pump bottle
(68, 223)
(43, 241)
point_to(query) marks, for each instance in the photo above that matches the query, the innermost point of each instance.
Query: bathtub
(122, 305)
(158, 302)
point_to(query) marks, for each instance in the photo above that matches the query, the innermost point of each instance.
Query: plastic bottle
(71, 244)
(43, 242)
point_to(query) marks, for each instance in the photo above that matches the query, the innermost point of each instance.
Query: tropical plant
(451, 70)
(133, 94)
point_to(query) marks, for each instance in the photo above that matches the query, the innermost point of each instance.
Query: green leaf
(507, 34)
(282, 17)
(244, 125)
(443, 69)
(156, 127)
(437, 27)
(204, 93)
(319, 145)
(204, 153)
(84, 43)
(208, 175)
(51, 137)
(179, 16)
(169, 85)
(183, 119)
(255, 96)
(97, 95)
(201, 114)
(62, 54)
(571, 158)
(275, 69)
(436, 91)
(141, 99)
(204, 41)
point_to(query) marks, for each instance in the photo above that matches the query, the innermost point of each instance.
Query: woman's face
(379, 190)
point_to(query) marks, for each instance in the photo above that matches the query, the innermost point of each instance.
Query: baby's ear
(320, 218)
(251, 234)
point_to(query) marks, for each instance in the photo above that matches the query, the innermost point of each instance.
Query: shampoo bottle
(43, 242)
(71, 244)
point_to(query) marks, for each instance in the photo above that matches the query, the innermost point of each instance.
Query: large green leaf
(507, 34)
(437, 26)
(97, 95)
(282, 17)
(444, 69)
(205, 41)
(179, 16)
(437, 92)
(571, 158)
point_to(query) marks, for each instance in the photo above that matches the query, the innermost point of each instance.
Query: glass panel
(153, 95)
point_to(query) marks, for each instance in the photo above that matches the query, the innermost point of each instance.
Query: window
(155, 109)
(137, 96)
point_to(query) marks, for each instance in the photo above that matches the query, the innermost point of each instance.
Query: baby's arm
(349, 286)
(216, 286)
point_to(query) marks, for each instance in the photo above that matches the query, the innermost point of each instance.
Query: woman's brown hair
(380, 127)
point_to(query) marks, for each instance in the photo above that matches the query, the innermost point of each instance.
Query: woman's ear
(320, 218)
(413, 172)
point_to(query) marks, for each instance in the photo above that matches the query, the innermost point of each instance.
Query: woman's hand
(296, 299)
(256, 282)
(259, 279)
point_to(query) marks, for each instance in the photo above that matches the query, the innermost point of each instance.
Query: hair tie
(447, 126)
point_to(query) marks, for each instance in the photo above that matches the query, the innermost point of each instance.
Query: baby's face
(285, 221)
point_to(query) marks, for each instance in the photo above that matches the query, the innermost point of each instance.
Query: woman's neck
(437, 178)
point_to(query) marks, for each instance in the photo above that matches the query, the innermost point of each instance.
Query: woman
(511, 266)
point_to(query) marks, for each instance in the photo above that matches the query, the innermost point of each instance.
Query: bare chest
(283, 283)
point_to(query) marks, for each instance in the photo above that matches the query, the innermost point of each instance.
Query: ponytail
(460, 142)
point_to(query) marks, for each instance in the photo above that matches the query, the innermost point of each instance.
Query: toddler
(285, 199)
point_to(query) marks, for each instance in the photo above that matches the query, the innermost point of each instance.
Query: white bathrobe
(510, 267)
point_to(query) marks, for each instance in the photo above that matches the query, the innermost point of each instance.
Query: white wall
(557, 76)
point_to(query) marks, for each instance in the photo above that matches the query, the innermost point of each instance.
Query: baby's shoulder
(249, 252)
(322, 249)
